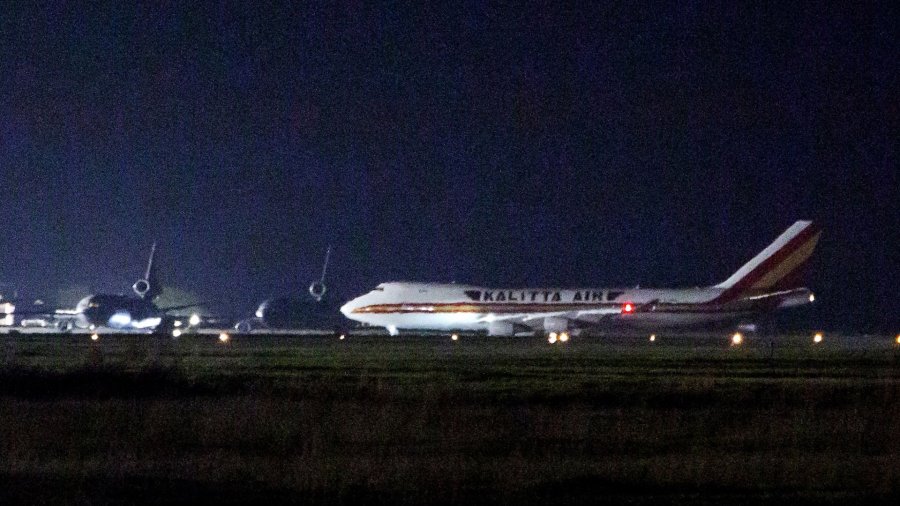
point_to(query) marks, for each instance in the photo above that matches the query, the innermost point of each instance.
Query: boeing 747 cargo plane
(770, 281)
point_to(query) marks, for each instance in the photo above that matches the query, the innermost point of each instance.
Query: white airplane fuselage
(766, 283)
(449, 307)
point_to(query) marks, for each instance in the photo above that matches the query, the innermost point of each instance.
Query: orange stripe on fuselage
(468, 307)
(484, 308)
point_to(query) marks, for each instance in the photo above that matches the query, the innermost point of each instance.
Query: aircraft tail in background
(148, 287)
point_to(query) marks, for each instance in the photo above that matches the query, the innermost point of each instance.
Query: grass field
(410, 420)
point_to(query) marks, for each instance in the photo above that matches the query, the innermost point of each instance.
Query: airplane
(118, 311)
(315, 310)
(768, 282)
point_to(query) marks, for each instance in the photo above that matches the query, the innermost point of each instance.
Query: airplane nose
(348, 308)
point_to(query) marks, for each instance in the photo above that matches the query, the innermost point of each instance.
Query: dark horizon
(575, 145)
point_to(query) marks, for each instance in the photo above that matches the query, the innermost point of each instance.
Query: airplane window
(379, 289)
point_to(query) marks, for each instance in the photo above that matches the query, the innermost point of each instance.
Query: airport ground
(316, 420)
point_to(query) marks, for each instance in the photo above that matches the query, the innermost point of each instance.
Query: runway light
(898, 339)
(177, 323)
(817, 338)
(176, 333)
(454, 337)
(95, 337)
(812, 297)
(628, 308)
(652, 338)
(551, 338)
(194, 320)
(223, 337)
(563, 337)
(737, 339)
(342, 337)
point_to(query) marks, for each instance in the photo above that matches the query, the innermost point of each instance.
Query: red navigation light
(628, 308)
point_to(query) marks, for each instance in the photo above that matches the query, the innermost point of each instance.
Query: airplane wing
(597, 312)
(534, 320)
(35, 312)
(522, 317)
(577, 318)
(176, 308)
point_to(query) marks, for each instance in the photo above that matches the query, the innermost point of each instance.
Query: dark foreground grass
(406, 420)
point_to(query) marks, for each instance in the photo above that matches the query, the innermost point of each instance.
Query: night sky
(590, 145)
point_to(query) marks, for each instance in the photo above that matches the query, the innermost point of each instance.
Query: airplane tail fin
(317, 288)
(781, 266)
(148, 286)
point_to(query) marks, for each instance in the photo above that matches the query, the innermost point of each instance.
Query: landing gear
(167, 327)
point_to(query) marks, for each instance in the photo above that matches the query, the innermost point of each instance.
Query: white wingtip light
(194, 320)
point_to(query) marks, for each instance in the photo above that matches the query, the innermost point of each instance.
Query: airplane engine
(244, 326)
(552, 324)
(317, 290)
(141, 287)
(501, 329)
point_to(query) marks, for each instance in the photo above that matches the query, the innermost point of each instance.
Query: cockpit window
(379, 289)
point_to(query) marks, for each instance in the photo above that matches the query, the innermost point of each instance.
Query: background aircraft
(118, 311)
(316, 309)
(770, 281)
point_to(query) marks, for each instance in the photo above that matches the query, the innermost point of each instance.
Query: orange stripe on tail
(776, 267)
